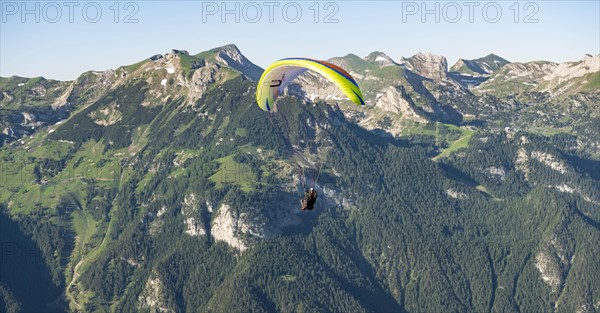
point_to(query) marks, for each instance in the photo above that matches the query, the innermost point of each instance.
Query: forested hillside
(165, 188)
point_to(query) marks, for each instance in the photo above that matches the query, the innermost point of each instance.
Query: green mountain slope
(170, 190)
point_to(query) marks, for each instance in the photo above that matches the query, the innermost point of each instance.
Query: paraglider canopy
(278, 75)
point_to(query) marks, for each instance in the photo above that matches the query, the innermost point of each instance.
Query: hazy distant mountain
(474, 72)
(555, 79)
(573, 77)
(479, 67)
(517, 77)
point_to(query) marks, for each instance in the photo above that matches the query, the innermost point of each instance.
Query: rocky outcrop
(200, 81)
(174, 53)
(550, 161)
(521, 163)
(498, 172)
(532, 70)
(237, 230)
(427, 65)
(517, 77)
(29, 120)
(549, 270)
(315, 87)
(571, 76)
(231, 56)
(63, 100)
(456, 194)
(379, 58)
(566, 188)
(569, 70)
(484, 66)
(106, 116)
(395, 99)
(467, 67)
(156, 57)
(197, 64)
(335, 197)
(554, 259)
(192, 216)
(105, 77)
(152, 298)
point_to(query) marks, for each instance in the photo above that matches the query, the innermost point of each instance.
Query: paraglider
(281, 73)
(310, 197)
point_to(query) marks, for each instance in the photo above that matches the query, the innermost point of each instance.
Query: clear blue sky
(63, 46)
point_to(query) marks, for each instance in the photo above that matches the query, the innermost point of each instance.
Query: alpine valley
(161, 186)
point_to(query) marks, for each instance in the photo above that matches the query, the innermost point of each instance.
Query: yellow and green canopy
(278, 75)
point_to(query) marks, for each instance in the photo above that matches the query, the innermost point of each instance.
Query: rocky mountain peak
(568, 70)
(483, 66)
(427, 65)
(172, 54)
(569, 77)
(380, 58)
(229, 47)
(534, 70)
(233, 57)
(396, 100)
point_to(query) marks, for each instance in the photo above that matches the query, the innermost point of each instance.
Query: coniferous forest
(144, 202)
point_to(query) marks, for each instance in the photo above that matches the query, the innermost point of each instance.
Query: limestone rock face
(232, 57)
(395, 99)
(380, 58)
(152, 298)
(427, 65)
(232, 229)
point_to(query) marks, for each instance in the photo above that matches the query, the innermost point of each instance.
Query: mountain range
(162, 187)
